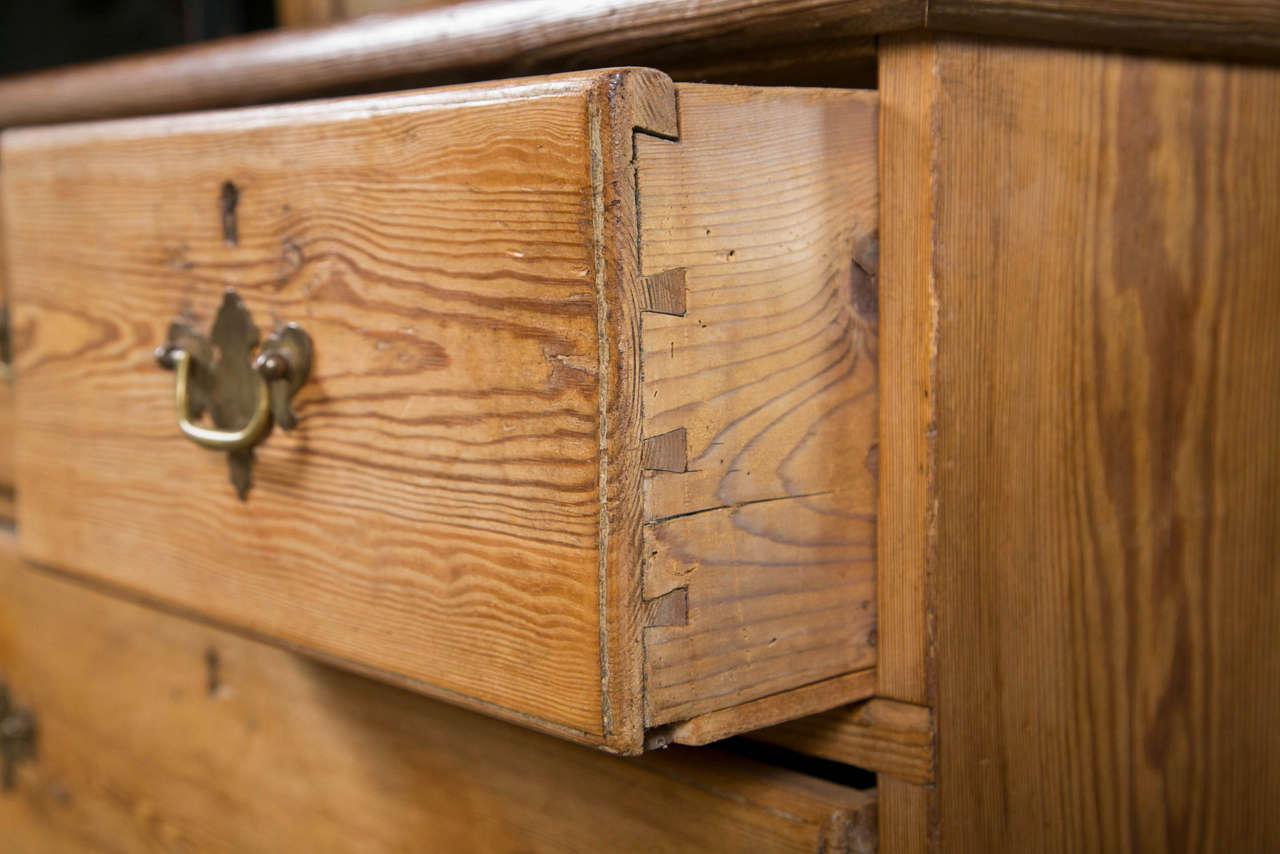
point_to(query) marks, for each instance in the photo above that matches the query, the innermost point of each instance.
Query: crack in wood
(734, 506)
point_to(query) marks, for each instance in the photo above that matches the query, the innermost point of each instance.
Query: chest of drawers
(643, 411)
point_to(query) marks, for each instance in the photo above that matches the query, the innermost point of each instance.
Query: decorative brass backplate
(242, 395)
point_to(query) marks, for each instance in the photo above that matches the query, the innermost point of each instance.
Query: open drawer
(586, 434)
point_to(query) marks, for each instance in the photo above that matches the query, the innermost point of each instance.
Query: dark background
(38, 34)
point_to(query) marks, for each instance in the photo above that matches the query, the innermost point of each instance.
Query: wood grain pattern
(771, 371)
(767, 711)
(1105, 259)
(436, 516)
(891, 738)
(475, 41)
(666, 452)
(161, 734)
(907, 824)
(905, 535)
(665, 292)
(1230, 28)
(466, 505)
(645, 105)
(806, 42)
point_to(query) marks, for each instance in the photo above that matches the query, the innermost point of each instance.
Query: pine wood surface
(891, 738)
(770, 372)
(905, 535)
(454, 512)
(906, 823)
(436, 513)
(767, 711)
(1103, 239)
(648, 106)
(472, 41)
(725, 40)
(159, 734)
(1231, 28)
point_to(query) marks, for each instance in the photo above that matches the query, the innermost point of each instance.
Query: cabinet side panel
(1107, 260)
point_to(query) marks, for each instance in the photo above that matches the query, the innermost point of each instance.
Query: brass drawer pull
(220, 376)
(218, 440)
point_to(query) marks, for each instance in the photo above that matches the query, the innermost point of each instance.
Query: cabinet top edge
(501, 38)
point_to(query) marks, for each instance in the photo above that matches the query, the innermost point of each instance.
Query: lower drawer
(157, 733)
(585, 438)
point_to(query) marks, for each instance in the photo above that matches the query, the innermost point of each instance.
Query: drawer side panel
(765, 376)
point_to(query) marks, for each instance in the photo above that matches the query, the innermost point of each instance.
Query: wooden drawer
(587, 441)
(155, 732)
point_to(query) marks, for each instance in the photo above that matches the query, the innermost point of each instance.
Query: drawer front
(584, 438)
(435, 514)
(204, 725)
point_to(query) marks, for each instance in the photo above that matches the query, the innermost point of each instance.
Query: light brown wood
(767, 711)
(666, 451)
(464, 507)
(6, 406)
(809, 42)
(475, 41)
(297, 13)
(891, 738)
(905, 536)
(436, 515)
(666, 292)
(907, 824)
(160, 734)
(1233, 28)
(301, 13)
(648, 106)
(1104, 240)
(771, 374)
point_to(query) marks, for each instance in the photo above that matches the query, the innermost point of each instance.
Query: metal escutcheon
(242, 394)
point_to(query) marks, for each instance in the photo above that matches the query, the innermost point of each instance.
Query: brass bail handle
(207, 437)
(242, 395)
